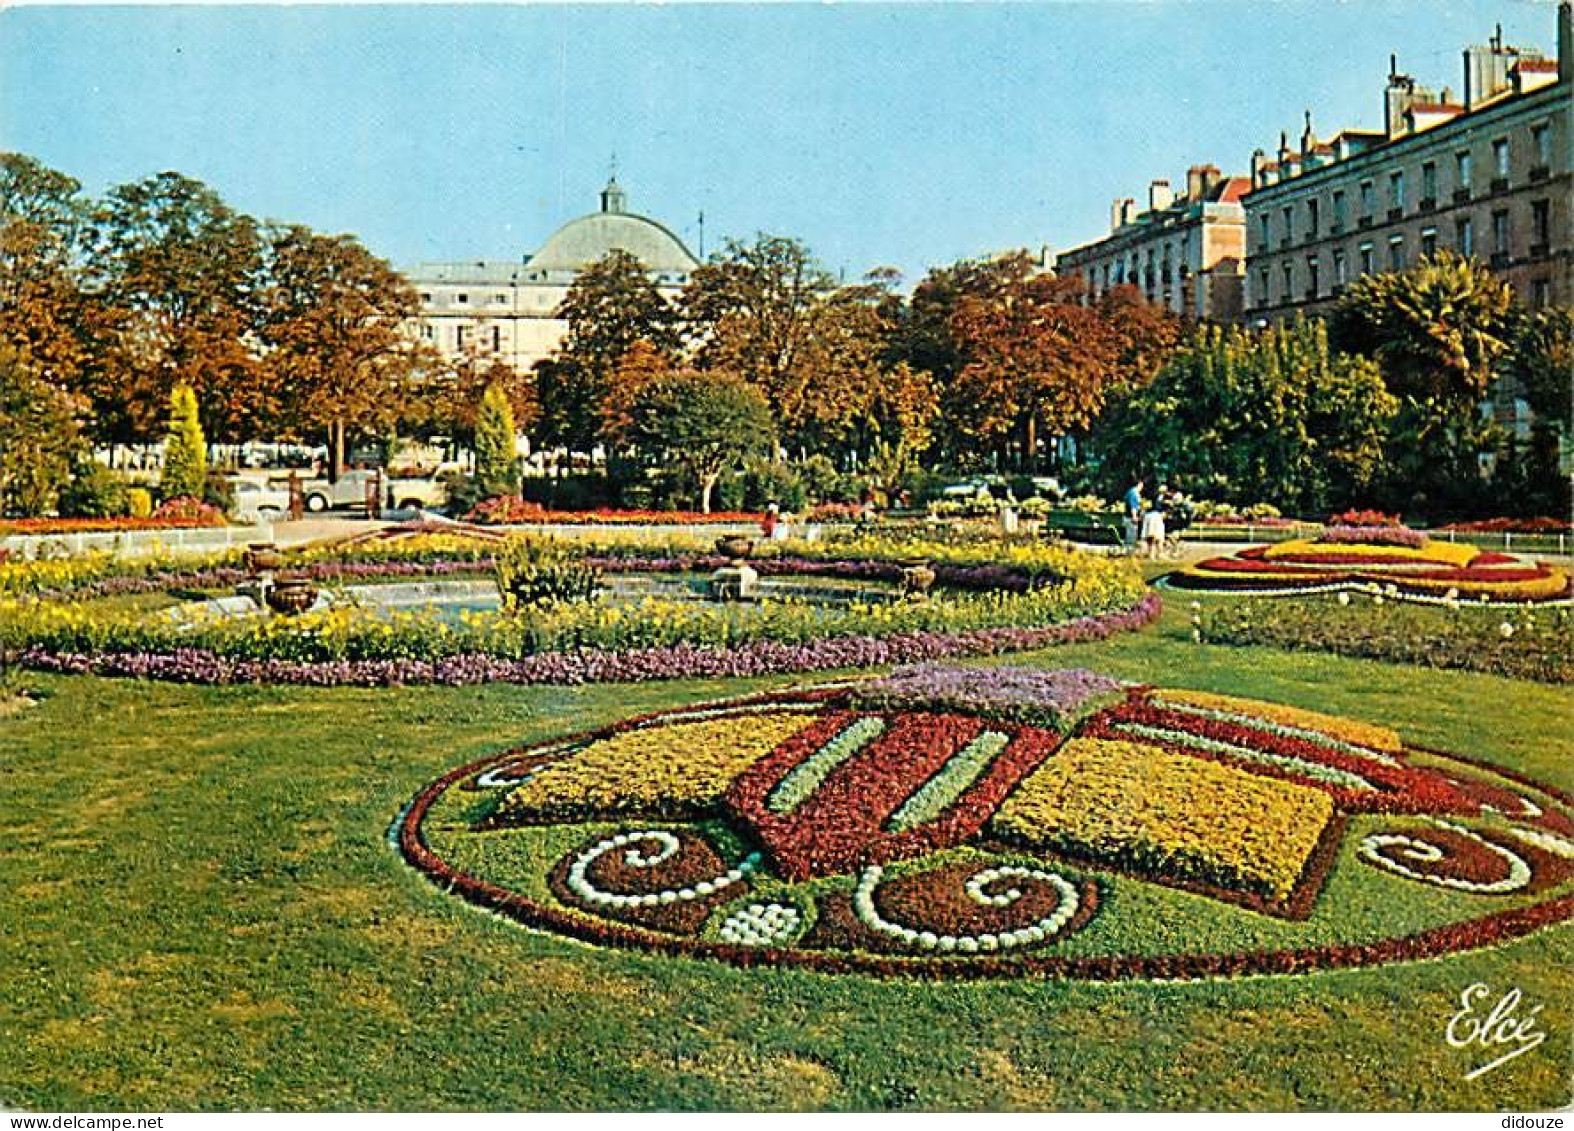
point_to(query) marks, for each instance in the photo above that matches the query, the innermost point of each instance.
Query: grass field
(199, 910)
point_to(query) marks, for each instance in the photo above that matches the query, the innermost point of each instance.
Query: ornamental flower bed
(157, 521)
(1538, 643)
(509, 511)
(1388, 558)
(1000, 597)
(824, 829)
(1541, 525)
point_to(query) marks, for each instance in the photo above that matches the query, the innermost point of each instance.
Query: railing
(132, 543)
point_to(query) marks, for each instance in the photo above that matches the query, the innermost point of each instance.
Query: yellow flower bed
(683, 765)
(1536, 589)
(1442, 553)
(1346, 730)
(1170, 814)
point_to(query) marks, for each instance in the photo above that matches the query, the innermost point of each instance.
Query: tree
(1038, 361)
(702, 422)
(334, 326)
(179, 272)
(1538, 367)
(1241, 418)
(43, 310)
(611, 306)
(185, 450)
(748, 311)
(496, 464)
(39, 438)
(1438, 331)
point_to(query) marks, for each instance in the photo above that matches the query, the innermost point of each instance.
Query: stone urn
(735, 547)
(291, 596)
(263, 557)
(917, 579)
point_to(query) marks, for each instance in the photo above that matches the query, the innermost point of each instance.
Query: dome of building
(582, 242)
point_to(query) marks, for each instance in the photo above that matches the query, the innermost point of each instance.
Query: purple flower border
(683, 661)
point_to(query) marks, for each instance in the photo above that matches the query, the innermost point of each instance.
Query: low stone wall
(134, 543)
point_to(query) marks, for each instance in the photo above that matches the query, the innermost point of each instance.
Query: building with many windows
(1488, 176)
(1186, 253)
(507, 310)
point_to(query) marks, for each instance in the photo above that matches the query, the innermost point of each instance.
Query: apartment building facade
(1186, 252)
(1488, 176)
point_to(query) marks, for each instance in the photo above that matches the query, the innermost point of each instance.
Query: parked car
(259, 502)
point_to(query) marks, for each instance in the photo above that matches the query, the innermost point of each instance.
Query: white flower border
(668, 845)
(1424, 852)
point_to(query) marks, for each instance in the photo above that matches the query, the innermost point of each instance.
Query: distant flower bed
(999, 597)
(1512, 526)
(1398, 560)
(506, 510)
(1520, 643)
(1364, 518)
(157, 521)
(1386, 535)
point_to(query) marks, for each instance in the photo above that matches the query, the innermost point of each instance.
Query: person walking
(1153, 526)
(1133, 514)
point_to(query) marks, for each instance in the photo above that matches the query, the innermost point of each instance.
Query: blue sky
(905, 135)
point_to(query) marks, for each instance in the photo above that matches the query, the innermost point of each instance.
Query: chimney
(1159, 196)
(1201, 180)
(1117, 214)
(1565, 41)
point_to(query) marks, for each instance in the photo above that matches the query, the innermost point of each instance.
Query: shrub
(185, 450)
(94, 492)
(532, 572)
(496, 464)
(771, 481)
(184, 508)
(139, 502)
(504, 510)
(463, 492)
(218, 492)
(822, 483)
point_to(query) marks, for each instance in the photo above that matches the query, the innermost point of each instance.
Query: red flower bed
(841, 823)
(158, 521)
(1364, 518)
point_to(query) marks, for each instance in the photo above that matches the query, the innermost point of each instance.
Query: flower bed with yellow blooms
(1429, 571)
(1170, 834)
(991, 596)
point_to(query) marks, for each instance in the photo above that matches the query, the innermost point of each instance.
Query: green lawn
(201, 911)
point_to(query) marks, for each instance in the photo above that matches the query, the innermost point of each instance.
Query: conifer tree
(185, 450)
(496, 468)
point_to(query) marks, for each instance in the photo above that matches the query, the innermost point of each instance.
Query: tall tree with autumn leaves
(334, 330)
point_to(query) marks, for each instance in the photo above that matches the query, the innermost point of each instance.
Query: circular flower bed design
(945, 821)
(1391, 559)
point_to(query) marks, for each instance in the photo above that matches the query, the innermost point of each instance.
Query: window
(1429, 181)
(427, 332)
(1289, 282)
(497, 339)
(1366, 200)
(1500, 158)
(1396, 190)
(1339, 216)
(1464, 237)
(1541, 139)
(1541, 223)
(1265, 235)
(461, 298)
(500, 298)
(1288, 235)
(1396, 253)
(1366, 259)
(426, 298)
(1262, 287)
(1500, 231)
(1540, 294)
(1462, 168)
(459, 336)
(1339, 275)
(1313, 288)
(1312, 226)
(1428, 242)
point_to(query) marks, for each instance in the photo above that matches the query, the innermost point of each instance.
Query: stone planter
(263, 557)
(292, 598)
(917, 579)
(735, 547)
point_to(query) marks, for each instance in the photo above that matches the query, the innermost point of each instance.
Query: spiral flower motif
(978, 888)
(1459, 859)
(637, 855)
